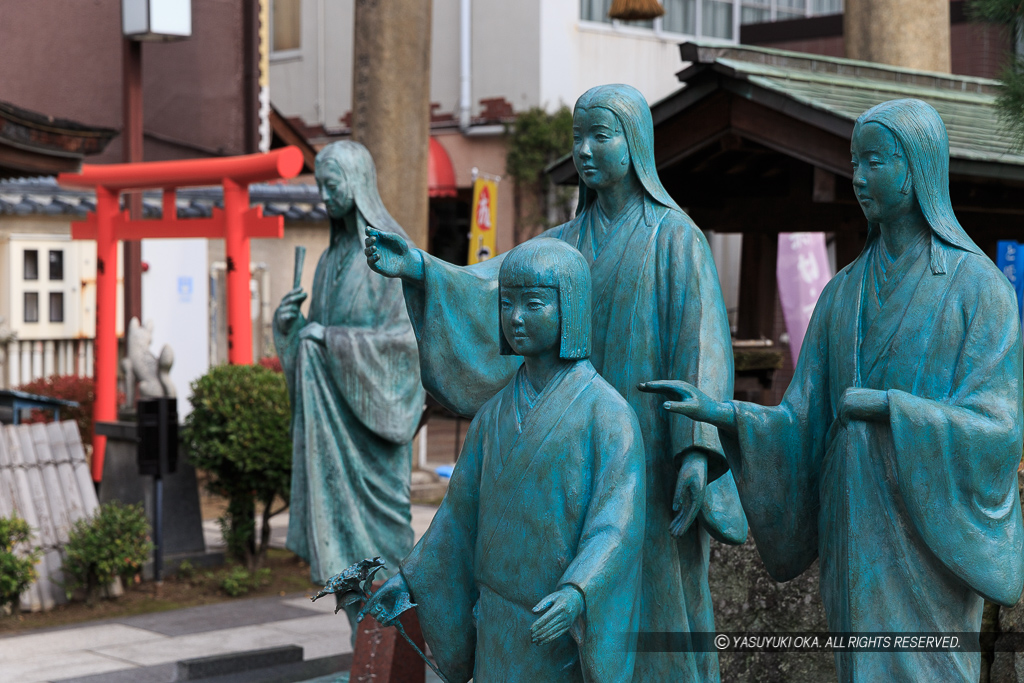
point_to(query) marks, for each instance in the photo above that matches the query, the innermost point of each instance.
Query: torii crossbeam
(235, 224)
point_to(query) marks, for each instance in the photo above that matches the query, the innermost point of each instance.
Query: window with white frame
(597, 10)
(680, 17)
(31, 307)
(760, 11)
(30, 264)
(715, 18)
(707, 18)
(56, 264)
(56, 307)
(285, 25)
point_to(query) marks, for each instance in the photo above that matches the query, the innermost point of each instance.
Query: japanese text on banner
(802, 272)
(482, 242)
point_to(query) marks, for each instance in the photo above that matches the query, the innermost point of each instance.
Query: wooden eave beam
(16, 162)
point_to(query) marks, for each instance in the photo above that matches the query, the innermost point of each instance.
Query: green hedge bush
(112, 543)
(239, 433)
(17, 570)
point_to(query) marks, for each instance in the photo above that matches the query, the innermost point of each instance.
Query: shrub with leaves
(238, 432)
(536, 140)
(1010, 101)
(240, 580)
(112, 543)
(17, 569)
(272, 362)
(69, 388)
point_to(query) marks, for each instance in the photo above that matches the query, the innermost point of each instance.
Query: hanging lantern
(635, 10)
(156, 20)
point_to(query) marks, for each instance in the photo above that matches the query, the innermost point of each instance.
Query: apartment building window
(30, 264)
(56, 264)
(716, 19)
(759, 11)
(286, 25)
(680, 16)
(31, 307)
(56, 307)
(597, 10)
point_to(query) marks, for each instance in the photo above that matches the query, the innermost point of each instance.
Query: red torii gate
(236, 224)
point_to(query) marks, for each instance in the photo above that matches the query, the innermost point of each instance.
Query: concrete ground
(145, 648)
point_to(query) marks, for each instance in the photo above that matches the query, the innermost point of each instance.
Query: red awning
(441, 175)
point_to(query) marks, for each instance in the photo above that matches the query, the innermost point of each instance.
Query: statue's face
(334, 191)
(599, 148)
(530, 319)
(880, 172)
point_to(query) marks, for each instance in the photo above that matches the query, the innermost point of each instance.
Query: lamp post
(153, 21)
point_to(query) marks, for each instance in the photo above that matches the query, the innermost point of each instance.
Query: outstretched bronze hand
(693, 403)
(392, 256)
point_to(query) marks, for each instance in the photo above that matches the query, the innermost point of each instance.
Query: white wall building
(507, 57)
(529, 52)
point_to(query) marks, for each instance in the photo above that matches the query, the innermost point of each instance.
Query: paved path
(166, 637)
(421, 516)
(153, 643)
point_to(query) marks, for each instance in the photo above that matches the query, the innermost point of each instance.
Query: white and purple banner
(1010, 260)
(802, 272)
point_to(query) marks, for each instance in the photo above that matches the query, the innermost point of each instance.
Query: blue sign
(185, 289)
(1010, 260)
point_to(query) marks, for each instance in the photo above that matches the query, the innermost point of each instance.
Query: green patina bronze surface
(530, 570)
(657, 310)
(893, 456)
(353, 379)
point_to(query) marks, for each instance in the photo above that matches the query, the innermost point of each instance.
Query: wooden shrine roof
(33, 144)
(828, 94)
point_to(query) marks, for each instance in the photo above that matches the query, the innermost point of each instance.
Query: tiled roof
(44, 197)
(845, 88)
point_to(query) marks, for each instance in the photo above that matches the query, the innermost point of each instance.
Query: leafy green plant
(535, 140)
(17, 569)
(239, 580)
(1010, 101)
(113, 543)
(239, 433)
(186, 571)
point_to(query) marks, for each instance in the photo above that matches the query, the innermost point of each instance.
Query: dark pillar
(391, 103)
(756, 316)
(132, 141)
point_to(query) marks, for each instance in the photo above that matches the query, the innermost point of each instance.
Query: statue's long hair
(360, 174)
(634, 115)
(922, 136)
(550, 262)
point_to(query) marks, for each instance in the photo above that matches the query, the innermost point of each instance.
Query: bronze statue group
(605, 451)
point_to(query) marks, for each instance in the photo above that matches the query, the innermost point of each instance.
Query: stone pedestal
(182, 518)
(383, 656)
(908, 33)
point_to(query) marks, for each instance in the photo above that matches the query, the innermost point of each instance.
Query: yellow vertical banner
(482, 244)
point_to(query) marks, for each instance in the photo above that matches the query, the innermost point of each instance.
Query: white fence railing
(25, 360)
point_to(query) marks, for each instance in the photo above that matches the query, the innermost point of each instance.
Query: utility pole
(391, 104)
(907, 33)
(132, 141)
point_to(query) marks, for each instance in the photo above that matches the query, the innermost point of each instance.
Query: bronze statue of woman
(353, 378)
(893, 456)
(657, 308)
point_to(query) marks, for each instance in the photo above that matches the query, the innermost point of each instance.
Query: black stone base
(182, 518)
